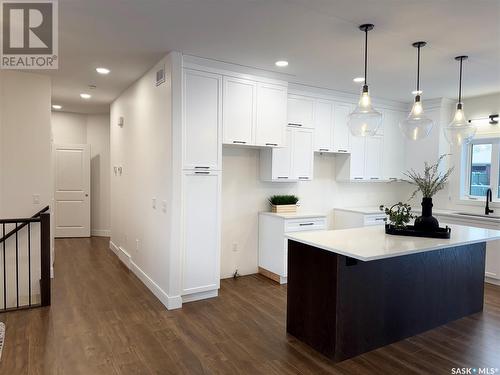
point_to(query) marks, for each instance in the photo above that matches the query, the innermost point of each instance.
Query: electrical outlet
(153, 203)
(235, 247)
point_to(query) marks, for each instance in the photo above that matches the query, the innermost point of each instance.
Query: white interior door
(72, 190)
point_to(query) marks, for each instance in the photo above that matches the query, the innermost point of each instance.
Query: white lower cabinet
(201, 234)
(291, 163)
(273, 246)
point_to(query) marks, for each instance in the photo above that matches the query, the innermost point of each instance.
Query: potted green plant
(428, 183)
(283, 203)
(399, 214)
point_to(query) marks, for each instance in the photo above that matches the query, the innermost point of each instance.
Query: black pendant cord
(460, 81)
(366, 54)
(418, 70)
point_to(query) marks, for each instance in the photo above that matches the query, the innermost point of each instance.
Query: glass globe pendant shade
(364, 121)
(459, 131)
(416, 126)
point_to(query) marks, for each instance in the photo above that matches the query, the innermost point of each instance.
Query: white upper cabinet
(373, 158)
(282, 160)
(239, 110)
(291, 163)
(393, 162)
(302, 154)
(300, 111)
(341, 135)
(202, 125)
(271, 114)
(323, 126)
(358, 152)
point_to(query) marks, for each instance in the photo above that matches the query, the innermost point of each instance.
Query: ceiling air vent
(160, 76)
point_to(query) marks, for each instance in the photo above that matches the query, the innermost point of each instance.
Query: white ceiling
(319, 38)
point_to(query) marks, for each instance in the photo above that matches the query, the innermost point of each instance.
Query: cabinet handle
(292, 124)
(239, 142)
(380, 219)
(282, 177)
(324, 149)
(303, 178)
(374, 178)
(393, 179)
(305, 224)
(358, 178)
(201, 172)
(342, 150)
(201, 167)
(271, 144)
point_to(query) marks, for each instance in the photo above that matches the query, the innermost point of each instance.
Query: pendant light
(417, 126)
(364, 120)
(459, 131)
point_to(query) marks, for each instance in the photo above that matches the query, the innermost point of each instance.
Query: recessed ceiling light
(85, 96)
(281, 63)
(103, 71)
(56, 106)
(359, 79)
(417, 92)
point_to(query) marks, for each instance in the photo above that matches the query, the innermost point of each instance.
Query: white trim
(169, 302)
(101, 232)
(52, 271)
(491, 280)
(199, 296)
(120, 253)
(174, 302)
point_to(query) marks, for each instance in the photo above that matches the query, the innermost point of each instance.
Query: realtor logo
(29, 37)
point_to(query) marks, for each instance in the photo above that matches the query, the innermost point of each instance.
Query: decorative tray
(410, 230)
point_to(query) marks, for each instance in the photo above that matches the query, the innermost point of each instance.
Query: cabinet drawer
(373, 220)
(299, 225)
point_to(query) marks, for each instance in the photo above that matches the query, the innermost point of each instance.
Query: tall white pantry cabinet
(201, 184)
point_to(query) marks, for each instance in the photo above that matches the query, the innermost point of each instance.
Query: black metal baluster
(29, 262)
(17, 268)
(4, 275)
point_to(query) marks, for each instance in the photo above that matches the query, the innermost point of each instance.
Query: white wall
(25, 167)
(143, 147)
(73, 128)
(244, 195)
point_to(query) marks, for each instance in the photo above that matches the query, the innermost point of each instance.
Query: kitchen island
(354, 290)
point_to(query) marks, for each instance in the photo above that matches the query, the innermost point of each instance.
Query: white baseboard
(170, 303)
(101, 232)
(491, 280)
(120, 253)
(199, 296)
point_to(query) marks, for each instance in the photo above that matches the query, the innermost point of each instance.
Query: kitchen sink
(479, 215)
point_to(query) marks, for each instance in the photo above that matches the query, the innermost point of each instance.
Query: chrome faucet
(489, 195)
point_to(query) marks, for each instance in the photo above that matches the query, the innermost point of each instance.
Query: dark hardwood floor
(104, 321)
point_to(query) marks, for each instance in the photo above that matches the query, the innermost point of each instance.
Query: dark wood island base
(343, 307)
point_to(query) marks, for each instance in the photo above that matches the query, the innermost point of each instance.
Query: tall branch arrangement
(431, 181)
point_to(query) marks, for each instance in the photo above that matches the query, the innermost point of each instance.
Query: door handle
(86, 195)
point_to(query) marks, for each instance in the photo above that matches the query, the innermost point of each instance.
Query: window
(482, 168)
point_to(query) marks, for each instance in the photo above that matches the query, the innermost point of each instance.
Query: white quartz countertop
(294, 215)
(371, 243)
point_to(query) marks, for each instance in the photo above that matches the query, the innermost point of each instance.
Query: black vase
(426, 222)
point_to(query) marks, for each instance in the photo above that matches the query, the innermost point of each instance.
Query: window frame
(466, 165)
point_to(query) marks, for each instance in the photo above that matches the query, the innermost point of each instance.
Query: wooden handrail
(24, 221)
